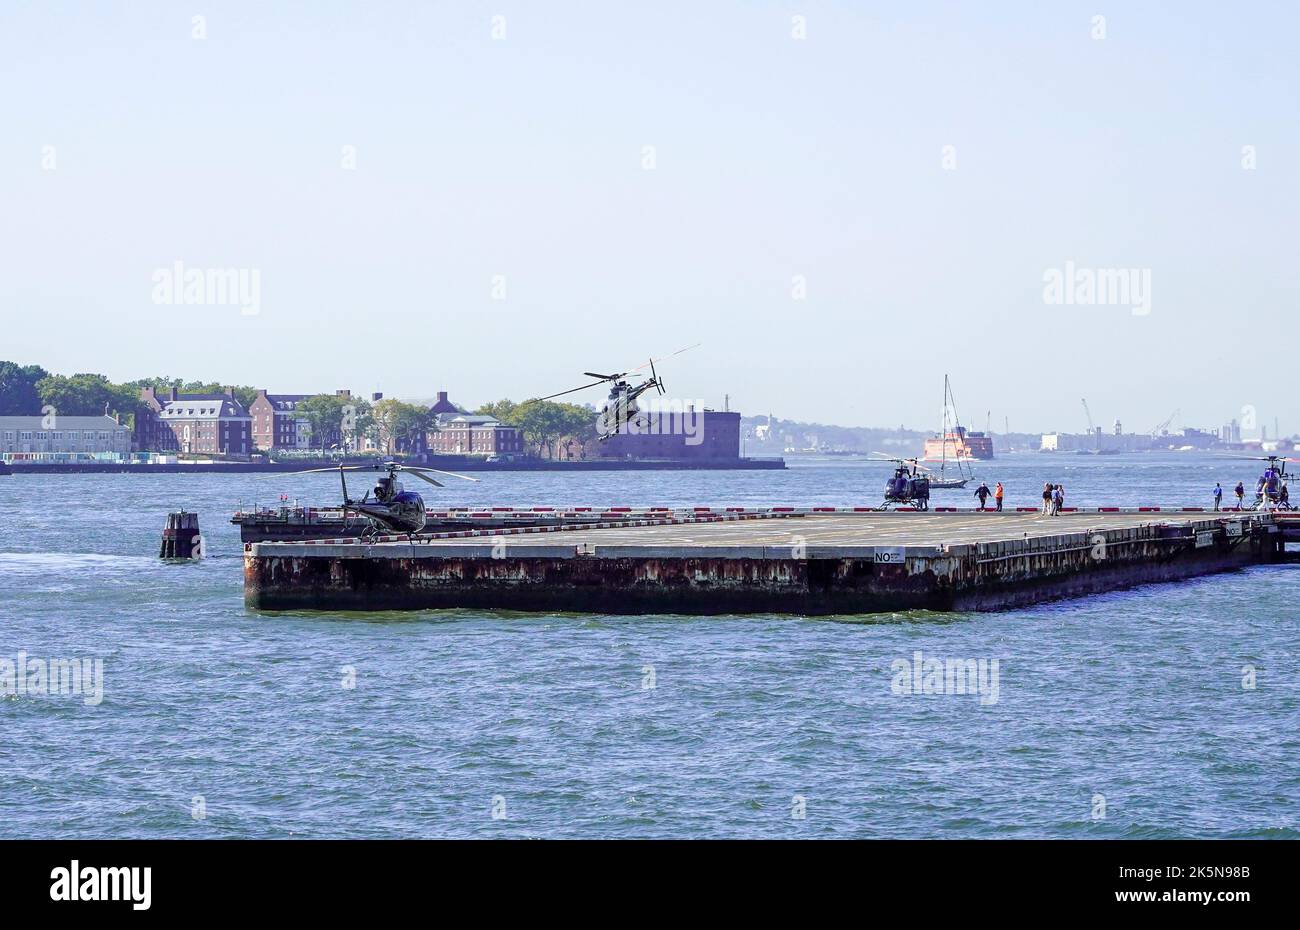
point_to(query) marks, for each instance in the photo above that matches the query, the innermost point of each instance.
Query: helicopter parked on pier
(1271, 492)
(391, 507)
(1271, 487)
(910, 484)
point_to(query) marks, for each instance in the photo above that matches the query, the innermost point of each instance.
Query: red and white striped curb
(656, 512)
(522, 530)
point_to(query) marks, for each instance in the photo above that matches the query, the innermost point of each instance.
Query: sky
(839, 202)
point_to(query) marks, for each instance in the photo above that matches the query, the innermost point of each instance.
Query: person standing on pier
(1241, 492)
(1218, 495)
(1058, 500)
(997, 496)
(1047, 499)
(983, 492)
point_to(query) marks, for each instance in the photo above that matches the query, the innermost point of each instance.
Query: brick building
(442, 407)
(681, 435)
(214, 424)
(276, 424)
(469, 434)
(22, 435)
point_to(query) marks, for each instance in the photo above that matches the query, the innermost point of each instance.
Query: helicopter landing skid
(893, 505)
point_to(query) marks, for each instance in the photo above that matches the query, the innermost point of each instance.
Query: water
(546, 719)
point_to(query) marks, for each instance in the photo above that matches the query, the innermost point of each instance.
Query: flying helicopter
(910, 484)
(391, 507)
(621, 406)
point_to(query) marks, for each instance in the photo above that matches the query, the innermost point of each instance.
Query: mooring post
(180, 538)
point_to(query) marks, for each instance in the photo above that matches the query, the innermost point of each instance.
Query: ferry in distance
(958, 445)
(953, 443)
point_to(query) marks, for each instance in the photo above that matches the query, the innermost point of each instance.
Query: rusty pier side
(812, 564)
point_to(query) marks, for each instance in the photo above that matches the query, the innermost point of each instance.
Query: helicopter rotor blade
(584, 387)
(310, 471)
(890, 458)
(424, 477)
(604, 378)
(436, 471)
(670, 355)
(1257, 458)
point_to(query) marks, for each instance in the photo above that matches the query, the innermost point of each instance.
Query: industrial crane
(1163, 425)
(1092, 430)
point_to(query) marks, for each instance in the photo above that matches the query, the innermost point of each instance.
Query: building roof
(473, 420)
(443, 405)
(287, 401)
(58, 422)
(201, 405)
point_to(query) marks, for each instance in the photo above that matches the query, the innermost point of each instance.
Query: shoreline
(226, 468)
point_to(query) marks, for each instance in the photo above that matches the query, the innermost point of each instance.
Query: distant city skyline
(1047, 202)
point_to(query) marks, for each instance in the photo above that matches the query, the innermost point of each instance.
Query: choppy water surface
(570, 725)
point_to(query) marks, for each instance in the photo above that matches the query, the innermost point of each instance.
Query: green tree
(543, 423)
(503, 410)
(358, 422)
(400, 425)
(243, 393)
(85, 395)
(325, 414)
(18, 393)
(579, 422)
(161, 384)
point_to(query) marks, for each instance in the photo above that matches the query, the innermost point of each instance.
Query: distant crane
(1163, 425)
(1092, 430)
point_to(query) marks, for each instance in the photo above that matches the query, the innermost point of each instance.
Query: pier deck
(812, 563)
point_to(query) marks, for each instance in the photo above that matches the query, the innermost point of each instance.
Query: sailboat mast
(967, 472)
(943, 430)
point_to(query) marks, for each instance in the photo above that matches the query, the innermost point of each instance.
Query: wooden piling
(181, 538)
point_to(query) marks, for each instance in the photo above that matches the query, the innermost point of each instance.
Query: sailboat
(954, 438)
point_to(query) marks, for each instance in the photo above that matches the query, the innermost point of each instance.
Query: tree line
(544, 424)
(27, 390)
(393, 425)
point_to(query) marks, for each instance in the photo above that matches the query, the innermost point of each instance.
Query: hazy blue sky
(774, 157)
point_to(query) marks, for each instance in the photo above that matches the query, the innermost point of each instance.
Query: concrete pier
(816, 562)
(286, 524)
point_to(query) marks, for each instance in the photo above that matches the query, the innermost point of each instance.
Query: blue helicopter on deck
(389, 506)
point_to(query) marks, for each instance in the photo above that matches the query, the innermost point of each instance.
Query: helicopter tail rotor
(655, 379)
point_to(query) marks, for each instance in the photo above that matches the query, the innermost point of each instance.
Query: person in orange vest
(997, 496)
